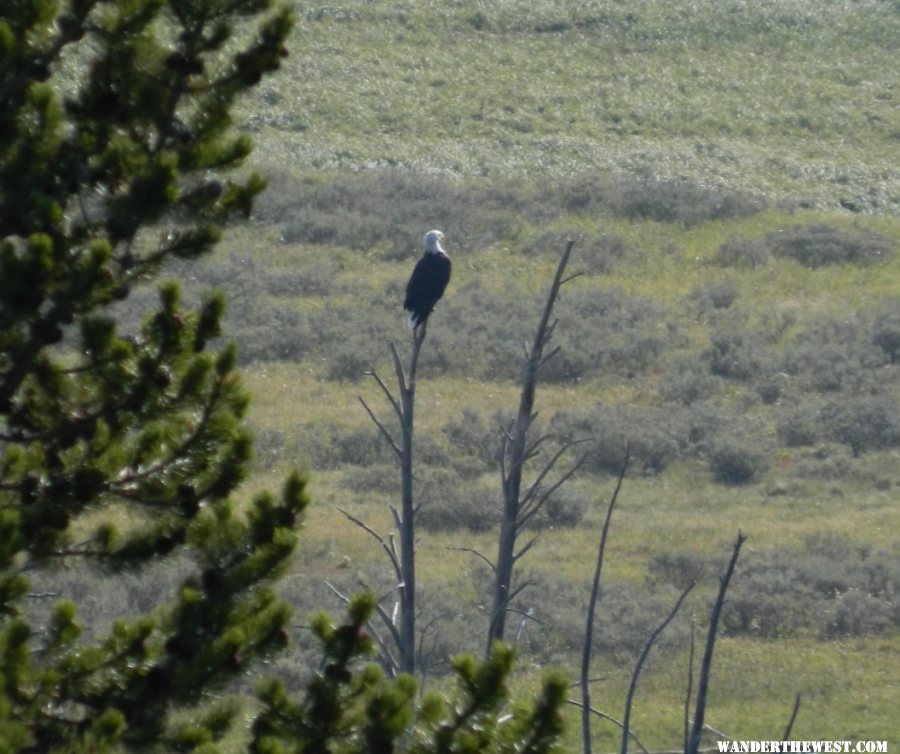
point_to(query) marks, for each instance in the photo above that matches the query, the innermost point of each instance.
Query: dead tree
(402, 625)
(693, 742)
(654, 635)
(592, 608)
(520, 506)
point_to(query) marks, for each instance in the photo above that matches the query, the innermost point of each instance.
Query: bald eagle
(428, 280)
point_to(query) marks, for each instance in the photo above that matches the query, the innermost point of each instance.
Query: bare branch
(531, 450)
(706, 665)
(420, 652)
(639, 664)
(387, 393)
(388, 548)
(551, 300)
(387, 659)
(398, 369)
(531, 543)
(529, 615)
(548, 467)
(527, 510)
(548, 334)
(571, 277)
(384, 431)
(476, 554)
(518, 590)
(418, 339)
(341, 597)
(690, 688)
(790, 725)
(598, 713)
(391, 626)
(717, 733)
(592, 607)
(549, 356)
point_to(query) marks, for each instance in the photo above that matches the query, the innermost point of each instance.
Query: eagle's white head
(433, 240)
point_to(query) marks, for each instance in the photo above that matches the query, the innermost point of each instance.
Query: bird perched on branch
(428, 280)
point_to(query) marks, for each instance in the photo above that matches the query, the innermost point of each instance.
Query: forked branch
(640, 663)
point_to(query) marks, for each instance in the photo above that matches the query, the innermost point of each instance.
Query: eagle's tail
(413, 320)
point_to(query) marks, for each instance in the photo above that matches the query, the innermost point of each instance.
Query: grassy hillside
(731, 174)
(793, 100)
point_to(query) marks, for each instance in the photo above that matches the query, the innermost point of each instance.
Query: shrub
(626, 615)
(668, 201)
(866, 422)
(330, 446)
(742, 252)
(449, 504)
(653, 436)
(594, 254)
(599, 332)
(382, 478)
(603, 332)
(678, 569)
(835, 355)
(388, 209)
(799, 426)
(705, 421)
(821, 245)
(474, 443)
(831, 585)
(737, 459)
(736, 354)
(858, 613)
(772, 388)
(716, 295)
(563, 509)
(269, 445)
(689, 380)
(769, 602)
(886, 331)
(826, 462)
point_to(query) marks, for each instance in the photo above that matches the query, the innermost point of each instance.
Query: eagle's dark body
(426, 284)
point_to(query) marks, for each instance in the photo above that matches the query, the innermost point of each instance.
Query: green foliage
(811, 245)
(733, 459)
(820, 245)
(366, 712)
(742, 252)
(820, 587)
(118, 447)
(815, 588)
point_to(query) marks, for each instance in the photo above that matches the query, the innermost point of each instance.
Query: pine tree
(120, 449)
(114, 138)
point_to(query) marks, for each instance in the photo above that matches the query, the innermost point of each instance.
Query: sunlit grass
(793, 101)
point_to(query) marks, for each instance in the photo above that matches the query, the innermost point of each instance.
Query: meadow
(730, 173)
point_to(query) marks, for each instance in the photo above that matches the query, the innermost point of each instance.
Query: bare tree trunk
(515, 453)
(404, 561)
(592, 608)
(706, 666)
(407, 508)
(629, 699)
